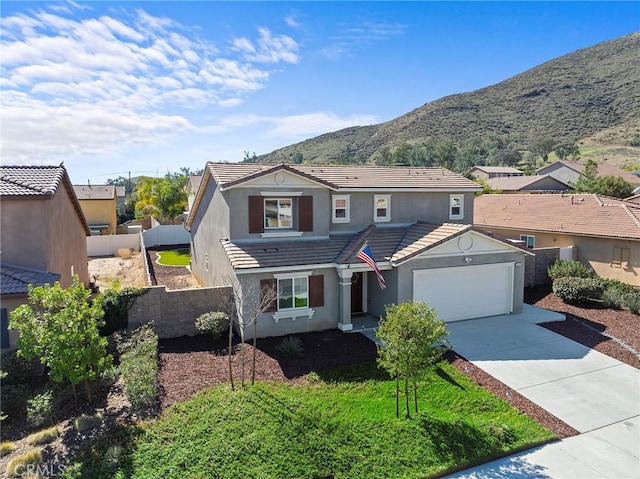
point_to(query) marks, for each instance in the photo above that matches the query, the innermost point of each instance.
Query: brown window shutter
(267, 285)
(256, 214)
(316, 291)
(305, 213)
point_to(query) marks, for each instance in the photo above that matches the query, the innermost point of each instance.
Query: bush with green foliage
(291, 347)
(40, 408)
(563, 268)
(139, 367)
(213, 323)
(115, 304)
(578, 290)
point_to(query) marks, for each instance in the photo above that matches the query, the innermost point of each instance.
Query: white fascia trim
(363, 268)
(293, 314)
(409, 190)
(281, 193)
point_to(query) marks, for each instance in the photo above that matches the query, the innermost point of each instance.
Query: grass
(43, 437)
(6, 447)
(341, 425)
(174, 257)
(18, 465)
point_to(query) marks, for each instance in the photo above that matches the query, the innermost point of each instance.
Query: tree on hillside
(567, 149)
(60, 327)
(541, 148)
(163, 198)
(412, 337)
(587, 182)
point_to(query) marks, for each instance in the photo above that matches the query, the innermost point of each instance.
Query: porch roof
(16, 279)
(395, 244)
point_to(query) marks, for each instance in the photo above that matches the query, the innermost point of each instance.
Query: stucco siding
(405, 272)
(324, 317)
(100, 212)
(65, 240)
(596, 252)
(209, 263)
(23, 233)
(11, 302)
(378, 299)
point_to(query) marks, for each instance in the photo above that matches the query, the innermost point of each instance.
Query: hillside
(591, 94)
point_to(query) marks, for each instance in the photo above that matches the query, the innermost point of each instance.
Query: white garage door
(466, 292)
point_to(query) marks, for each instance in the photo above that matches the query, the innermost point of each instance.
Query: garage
(466, 292)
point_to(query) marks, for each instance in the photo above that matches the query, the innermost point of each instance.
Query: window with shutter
(256, 214)
(316, 291)
(305, 213)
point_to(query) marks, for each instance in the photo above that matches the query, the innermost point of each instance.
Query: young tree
(60, 327)
(587, 182)
(412, 338)
(615, 186)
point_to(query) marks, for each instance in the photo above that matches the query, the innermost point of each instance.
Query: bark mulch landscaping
(189, 364)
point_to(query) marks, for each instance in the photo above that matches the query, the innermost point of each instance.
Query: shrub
(6, 447)
(84, 422)
(291, 347)
(18, 465)
(139, 367)
(633, 303)
(40, 408)
(563, 268)
(613, 298)
(578, 290)
(43, 437)
(18, 368)
(502, 433)
(115, 304)
(213, 323)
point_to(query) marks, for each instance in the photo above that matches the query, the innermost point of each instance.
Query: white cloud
(292, 21)
(361, 35)
(77, 83)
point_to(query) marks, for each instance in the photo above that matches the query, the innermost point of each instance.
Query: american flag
(365, 255)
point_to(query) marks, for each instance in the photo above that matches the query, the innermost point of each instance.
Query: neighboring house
(605, 231)
(527, 184)
(99, 204)
(634, 199)
(121, 197)
(297, 229)
(487, 172)
(42, 233)
(569, 171)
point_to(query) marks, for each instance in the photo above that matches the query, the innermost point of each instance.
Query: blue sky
(148, 87)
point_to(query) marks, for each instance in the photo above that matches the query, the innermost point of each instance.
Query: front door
(356, 293)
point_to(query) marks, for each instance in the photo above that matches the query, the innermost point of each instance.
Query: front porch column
(344, 293)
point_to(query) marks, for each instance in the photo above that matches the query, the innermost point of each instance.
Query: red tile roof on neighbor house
(16, 279)
(516, 183)
(346, 177)
(499, 169)
(95, 192)
(576, 214)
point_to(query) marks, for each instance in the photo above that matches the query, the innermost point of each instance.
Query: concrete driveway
(595, 394)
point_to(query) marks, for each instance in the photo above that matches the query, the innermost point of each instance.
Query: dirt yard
(117, 272)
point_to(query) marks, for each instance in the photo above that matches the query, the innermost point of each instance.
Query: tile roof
(95, 192)
(347, 177)
(578, 214)
(516, 183)
(15, 279)
(604, 169)
(396, 244)
(30, 180)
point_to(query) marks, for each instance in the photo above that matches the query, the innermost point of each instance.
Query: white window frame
(293, 312)
(387, 216)
(460, 215)
(279, 227)
(526, 239)
(334, 207)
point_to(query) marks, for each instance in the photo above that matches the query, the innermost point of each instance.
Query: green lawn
(342, 425)
(174, 257)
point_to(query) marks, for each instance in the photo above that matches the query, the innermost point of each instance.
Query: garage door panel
(466, 292)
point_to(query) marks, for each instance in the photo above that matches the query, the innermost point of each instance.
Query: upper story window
(340, 211)
(529, 240)
(382, 208)
(456, 207)
(278, 213)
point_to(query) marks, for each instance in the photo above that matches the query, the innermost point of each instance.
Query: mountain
(591, 94)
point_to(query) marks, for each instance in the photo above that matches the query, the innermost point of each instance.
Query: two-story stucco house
(298, 229)
(99, 205)
(42, 235)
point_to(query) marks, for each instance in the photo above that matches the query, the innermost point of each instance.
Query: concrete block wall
(174, 312)
(536, 266)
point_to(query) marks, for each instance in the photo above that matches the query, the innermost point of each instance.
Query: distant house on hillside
(527, 184)
(43, 234)
(569, 171)
(488, 172)
(99, 204)
(605, 231)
